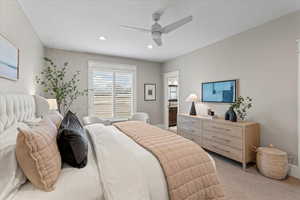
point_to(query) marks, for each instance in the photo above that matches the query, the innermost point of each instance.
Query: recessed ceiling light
(150, 46)
(102, 38)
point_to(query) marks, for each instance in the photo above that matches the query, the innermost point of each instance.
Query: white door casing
(166, 111)
(295, 169)
(298, 52)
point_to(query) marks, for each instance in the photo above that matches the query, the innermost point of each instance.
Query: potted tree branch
(54, 81)
(241, 106)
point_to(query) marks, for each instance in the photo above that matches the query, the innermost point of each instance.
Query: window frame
(110, 67)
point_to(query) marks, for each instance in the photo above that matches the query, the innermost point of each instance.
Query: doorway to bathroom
(171, 100)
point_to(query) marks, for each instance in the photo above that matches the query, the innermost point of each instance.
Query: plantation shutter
(102, 94)
(112, 93)
(123, 94)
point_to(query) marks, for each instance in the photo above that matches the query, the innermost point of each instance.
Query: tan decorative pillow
(38, 155)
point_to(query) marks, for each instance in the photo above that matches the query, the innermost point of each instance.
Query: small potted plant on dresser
(239, 109)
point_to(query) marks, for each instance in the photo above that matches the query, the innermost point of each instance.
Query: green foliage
(53, 80)
(241, 106)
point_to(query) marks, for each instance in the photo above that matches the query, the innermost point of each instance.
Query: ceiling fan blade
(175, 25)
(136, 28)
(158, 41)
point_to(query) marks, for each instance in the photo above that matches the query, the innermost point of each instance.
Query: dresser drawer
(195, 138)
(186, 135)
(223, 150)
(190, 130)
(188, 122)
(233, 131)
(224, 139)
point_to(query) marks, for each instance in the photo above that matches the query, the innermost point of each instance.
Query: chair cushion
(38, 155)
(72, 141)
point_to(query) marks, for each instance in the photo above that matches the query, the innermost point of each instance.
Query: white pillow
(55, 117)
(11, 175)
(33, 122)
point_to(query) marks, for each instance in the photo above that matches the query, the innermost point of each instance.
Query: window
(112, 90)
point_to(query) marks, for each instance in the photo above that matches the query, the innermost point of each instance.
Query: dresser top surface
(220, 120)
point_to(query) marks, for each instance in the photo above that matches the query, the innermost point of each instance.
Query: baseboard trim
(295, 171)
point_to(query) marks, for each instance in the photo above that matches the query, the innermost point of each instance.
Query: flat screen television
(219, 91)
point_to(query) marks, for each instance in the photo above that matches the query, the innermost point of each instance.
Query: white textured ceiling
(77, 24)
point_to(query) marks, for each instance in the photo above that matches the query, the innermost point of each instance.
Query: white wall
(15, 26)
(265, 61)
(147, 72)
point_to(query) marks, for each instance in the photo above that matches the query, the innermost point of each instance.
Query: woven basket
(272, 162)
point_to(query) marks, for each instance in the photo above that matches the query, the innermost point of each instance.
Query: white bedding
(128, 171)
(11, 176)
(118, 169)
(134, 175)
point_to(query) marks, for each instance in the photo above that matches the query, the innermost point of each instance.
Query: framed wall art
(9, 60)
(150, 92)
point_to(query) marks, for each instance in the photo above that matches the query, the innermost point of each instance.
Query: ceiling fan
(157, 30)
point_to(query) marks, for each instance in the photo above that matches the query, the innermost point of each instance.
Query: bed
(131, 171)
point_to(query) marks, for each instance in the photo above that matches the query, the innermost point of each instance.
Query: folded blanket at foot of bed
(189, 172)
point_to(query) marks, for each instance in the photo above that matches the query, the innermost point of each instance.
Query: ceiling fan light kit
(150, 46)
(157, 30)
(102, 38)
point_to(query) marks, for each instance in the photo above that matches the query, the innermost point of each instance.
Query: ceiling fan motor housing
(156, 27)
(156, 16)
(156, 35)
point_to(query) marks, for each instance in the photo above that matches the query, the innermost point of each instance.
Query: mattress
(75, 184)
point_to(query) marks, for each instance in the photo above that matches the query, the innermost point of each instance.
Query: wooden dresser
(234, 140)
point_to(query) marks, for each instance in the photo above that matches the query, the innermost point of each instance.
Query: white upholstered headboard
(19, 108)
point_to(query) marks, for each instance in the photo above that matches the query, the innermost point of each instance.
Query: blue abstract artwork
(220, 92)
(9, 59)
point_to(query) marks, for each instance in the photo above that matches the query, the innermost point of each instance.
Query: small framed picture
(150, 92)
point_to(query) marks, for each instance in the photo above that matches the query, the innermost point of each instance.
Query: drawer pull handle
(220, 149)
(226, 129)
(218, 138)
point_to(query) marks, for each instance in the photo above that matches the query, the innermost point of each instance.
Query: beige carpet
(250, 185)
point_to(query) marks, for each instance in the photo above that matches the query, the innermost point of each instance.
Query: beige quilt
(189, 172)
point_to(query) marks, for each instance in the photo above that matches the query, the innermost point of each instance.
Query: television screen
(219, 91)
